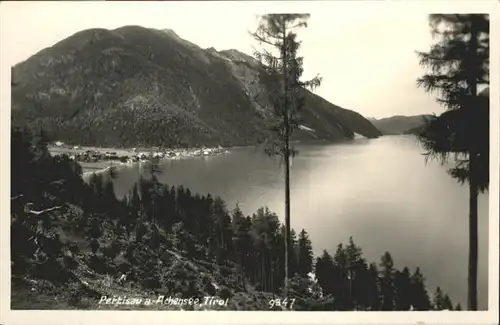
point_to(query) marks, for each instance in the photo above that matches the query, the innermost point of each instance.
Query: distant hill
(134, 86)
(399, 124)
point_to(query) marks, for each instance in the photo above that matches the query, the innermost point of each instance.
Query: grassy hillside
(134, 86)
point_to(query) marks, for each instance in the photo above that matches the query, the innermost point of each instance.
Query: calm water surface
(378, 191)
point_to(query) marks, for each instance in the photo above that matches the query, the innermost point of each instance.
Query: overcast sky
(364, 50)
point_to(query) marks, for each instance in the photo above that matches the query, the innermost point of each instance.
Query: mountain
(399, 124)
(135, 86)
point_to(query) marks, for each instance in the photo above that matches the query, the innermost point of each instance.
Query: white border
(243, 317)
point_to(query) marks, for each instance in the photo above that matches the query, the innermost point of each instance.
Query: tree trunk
(473, 187)
(287, 159)
(287, 218)
(473, 235)
(263, 274)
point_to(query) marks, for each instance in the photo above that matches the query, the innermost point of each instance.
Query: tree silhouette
(324, 269)
(305, 254)
(419, 297)
(458, 64)
(276, 31)
(402, 294)
(387, 281)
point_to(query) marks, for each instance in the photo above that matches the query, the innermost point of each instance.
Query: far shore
(101, 166)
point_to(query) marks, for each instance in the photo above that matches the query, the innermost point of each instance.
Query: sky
(365, 51)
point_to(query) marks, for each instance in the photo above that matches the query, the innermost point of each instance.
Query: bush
(181, 279)
(124, 267)
(53, 246)
(140, 232)
(151, 282)
(327, 303)
(208, 287)
(51, 270)
(112, 251)
(74, 299)
(73, 248)
(166, 258)
(225, 292)
(94, 246)
(20, 265)
(129, 253)
(97, 264)
(70, 262)
(95, 230)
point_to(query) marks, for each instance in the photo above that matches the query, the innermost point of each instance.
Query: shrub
(97, 264)
(70, 262)
(225, 292)
(73, 248)
(51, 270)
(124, 267)
(112, 250)
(129, 253)
(95, 230)
(208, 287)
(151, 281)
(74, 298)
(94, 246)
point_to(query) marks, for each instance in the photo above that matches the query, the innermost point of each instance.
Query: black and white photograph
(224, 156)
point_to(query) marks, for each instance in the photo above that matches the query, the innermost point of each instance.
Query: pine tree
(223, 232)
(387, 281)
(420, 298)
(342, 290)
(276, 31)
(372, 287)
(21, 162)
(40, 144)
(140, 231)
(438, 300)
(305, 254)
(242, 241)
(323, 271)
(447, 303)
(402, 286)
(356, 269)
(459, 63)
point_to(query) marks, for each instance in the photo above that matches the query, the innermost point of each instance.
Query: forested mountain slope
(134, 86)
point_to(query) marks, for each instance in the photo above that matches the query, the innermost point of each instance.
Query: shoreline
(86, 171)
(88, 167)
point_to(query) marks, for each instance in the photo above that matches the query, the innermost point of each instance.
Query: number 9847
(279, 303)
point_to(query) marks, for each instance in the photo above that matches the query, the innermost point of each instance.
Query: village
(92, 158)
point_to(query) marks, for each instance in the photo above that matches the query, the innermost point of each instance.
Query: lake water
(379, 191)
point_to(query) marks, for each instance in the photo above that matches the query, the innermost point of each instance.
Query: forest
(158, 238)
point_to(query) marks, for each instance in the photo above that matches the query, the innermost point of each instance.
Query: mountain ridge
(399, 124)
(138, 86)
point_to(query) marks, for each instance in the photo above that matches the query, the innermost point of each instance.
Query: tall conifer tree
(458, 64)
(276, 31)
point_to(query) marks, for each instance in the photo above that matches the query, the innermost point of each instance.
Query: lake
(379, 191)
